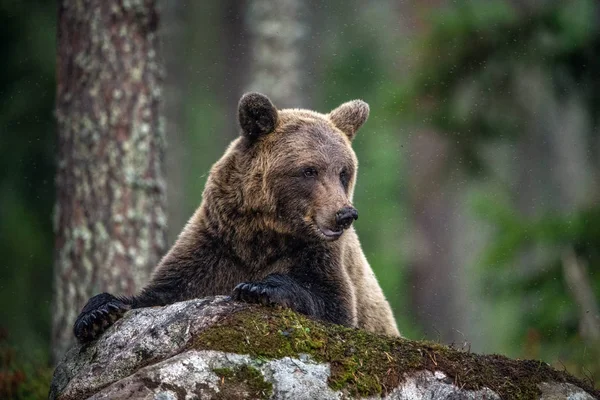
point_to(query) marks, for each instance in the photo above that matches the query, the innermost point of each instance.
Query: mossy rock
(214, 348)
(365, 364)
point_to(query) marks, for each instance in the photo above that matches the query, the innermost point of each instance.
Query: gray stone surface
(428, 385)
(144, 336)
(559, 391)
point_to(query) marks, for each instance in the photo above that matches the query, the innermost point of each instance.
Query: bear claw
(100, 312)
(259, 293)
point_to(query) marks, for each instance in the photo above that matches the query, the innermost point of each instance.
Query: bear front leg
(100, 312)
(315, 300)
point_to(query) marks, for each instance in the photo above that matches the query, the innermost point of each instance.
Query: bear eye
(344, 177)
(309, 172)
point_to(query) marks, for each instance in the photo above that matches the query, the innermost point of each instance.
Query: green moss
(242, 382)
(367, 364)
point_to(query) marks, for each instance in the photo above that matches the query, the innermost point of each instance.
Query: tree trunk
(438, 284)
(109, 217)
(436, 275)
(278, 45)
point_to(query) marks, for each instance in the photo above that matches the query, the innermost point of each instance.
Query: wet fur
(255, 233)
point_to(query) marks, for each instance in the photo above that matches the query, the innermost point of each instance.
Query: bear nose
(345, 216)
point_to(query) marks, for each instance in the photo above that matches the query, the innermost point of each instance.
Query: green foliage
(474, 54)
(27, 89)
(515, 232)
(549, 316)
(467, 86)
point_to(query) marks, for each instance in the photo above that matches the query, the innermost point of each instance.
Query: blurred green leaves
(27, 90)
(515, 232)
(470, 85)
(470, 60)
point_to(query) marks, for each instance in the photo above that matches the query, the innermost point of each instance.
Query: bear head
(291, 171)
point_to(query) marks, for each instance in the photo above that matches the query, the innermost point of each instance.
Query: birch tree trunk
(109, 217)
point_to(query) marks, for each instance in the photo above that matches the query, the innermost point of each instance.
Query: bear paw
(100, 312)
(261, 293)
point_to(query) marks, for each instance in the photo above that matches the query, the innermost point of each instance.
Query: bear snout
(345, 217)
(332, 229)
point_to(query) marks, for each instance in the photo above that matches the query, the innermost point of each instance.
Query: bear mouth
(329, 234)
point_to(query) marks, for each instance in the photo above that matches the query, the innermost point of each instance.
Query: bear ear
(350, 116)
(257, 115)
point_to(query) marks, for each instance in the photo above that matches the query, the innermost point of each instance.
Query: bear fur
(274, 226)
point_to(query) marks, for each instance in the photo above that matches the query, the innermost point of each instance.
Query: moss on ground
(242, 382)
(367, 364)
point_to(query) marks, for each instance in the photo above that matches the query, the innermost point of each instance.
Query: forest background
(479, 178)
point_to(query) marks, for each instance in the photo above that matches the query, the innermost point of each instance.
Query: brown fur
(266, 223)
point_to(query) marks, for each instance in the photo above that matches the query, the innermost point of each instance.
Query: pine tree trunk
(110, 208)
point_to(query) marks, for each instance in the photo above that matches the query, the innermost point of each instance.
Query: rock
(217, 349)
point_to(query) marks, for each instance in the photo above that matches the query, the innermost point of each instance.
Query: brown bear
(274, 226)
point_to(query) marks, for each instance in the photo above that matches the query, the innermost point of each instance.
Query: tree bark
(110, 208)
(278, 45)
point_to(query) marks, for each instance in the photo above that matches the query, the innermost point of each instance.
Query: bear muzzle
(343, 219)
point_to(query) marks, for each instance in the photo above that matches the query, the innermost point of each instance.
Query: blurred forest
(479, 178)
